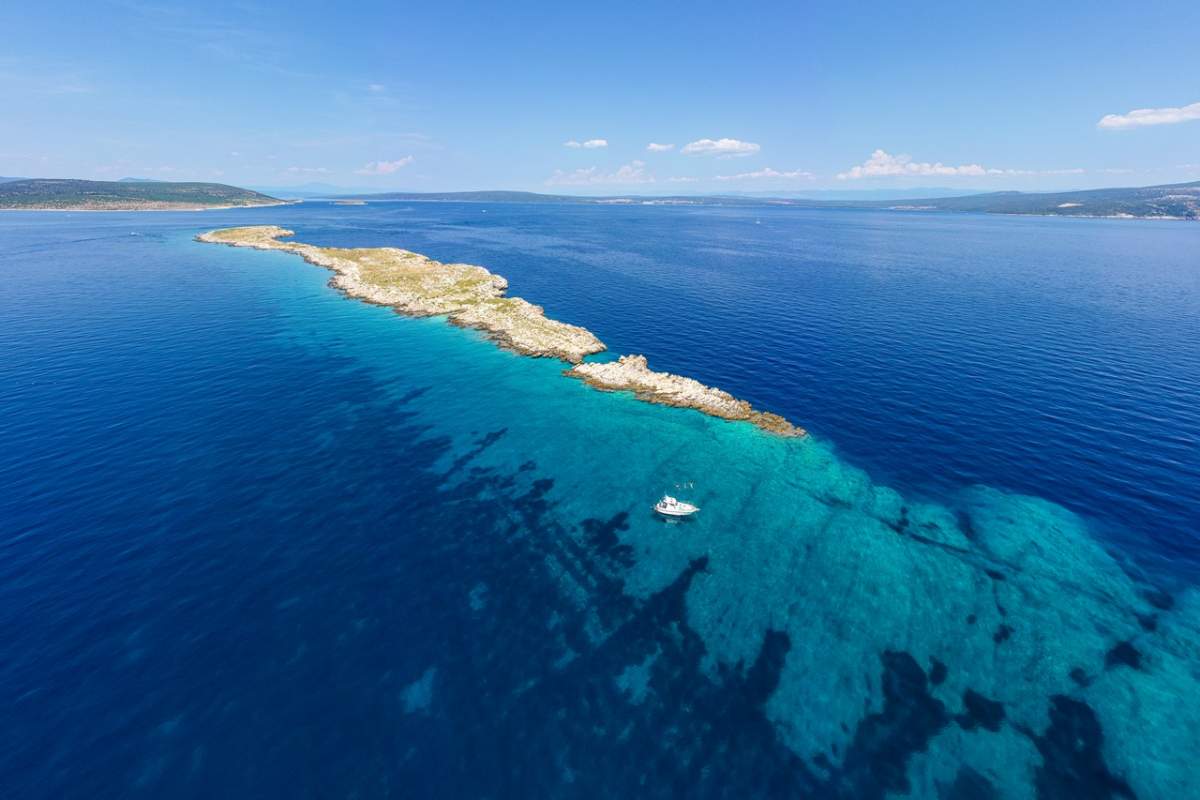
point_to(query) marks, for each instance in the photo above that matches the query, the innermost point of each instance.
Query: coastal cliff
(472, 297)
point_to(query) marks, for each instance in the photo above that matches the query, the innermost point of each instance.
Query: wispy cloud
(882, 164)
(368, 141)
(1150, 116)
(251, 39)
(655, 147)
(721, 148)
(384, 167)
(768, 173)
(682, 179)
(590, 144)
(43, 79)
(633, 172)
(1066, 171)
(128, 169)
(376, 88)
(307, 170)
(69, 87)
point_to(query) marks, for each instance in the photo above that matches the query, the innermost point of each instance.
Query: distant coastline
(79, 195)
(1174, 202)
(1167, 202)
(472, 297)
(151, 207)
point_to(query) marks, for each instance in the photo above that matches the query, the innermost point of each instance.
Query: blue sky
(779, 97)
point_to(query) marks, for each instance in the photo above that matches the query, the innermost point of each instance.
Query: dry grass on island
(468, 295)
(471, 297)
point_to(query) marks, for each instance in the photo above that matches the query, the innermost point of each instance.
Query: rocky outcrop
(631, 373)
(468, 295)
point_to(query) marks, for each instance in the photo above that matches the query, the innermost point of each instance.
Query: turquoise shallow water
(259, 540)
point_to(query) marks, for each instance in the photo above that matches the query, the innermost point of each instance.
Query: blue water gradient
(258, 540)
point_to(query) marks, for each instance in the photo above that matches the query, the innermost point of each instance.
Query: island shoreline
(470, 296)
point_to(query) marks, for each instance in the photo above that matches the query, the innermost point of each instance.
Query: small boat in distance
(671, 507)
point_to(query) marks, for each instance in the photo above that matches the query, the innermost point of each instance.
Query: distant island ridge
(1180, 201)
(63, 194)
(1169, 201)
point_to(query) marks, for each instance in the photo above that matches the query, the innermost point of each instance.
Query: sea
(261, 540)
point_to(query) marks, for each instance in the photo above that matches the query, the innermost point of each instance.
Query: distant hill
(312, 190)
(862, 194)
(67, 194)
(1176, 201)
(139, 180)
(479, 197)
(534, 197)
(6, 180)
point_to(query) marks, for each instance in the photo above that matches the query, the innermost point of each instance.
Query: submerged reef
(814, 635)
(998, 649)
(472, 297)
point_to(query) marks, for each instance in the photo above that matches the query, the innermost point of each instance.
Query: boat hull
(675, 512)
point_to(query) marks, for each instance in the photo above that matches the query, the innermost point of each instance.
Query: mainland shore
(472, 297)
(146, 206)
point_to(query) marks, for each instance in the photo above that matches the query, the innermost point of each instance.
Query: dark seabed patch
(1073, 762)
(979, 711)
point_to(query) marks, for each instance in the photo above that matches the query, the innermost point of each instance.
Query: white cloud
(590, 144)
(307, 170)
(682, 179)
(1012, 172)
(1150, 116)
(633, 172)
(376, 88)
(883, 164)
(767, 172)
(655, 147)
(721, 148)
(384, 167)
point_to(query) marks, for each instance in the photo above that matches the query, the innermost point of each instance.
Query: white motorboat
(670, 507)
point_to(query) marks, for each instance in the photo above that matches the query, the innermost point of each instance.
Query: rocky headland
(471, 297)
(633, 374)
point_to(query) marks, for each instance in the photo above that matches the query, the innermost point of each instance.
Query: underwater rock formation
(893, 612)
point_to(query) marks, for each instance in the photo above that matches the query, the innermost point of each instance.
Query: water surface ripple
(258, 540)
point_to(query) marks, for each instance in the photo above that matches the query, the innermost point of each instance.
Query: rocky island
(469, 296)
(472, 297)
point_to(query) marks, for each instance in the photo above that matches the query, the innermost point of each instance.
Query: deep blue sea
(260, 540)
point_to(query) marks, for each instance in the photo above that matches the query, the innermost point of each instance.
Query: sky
(604, 98)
